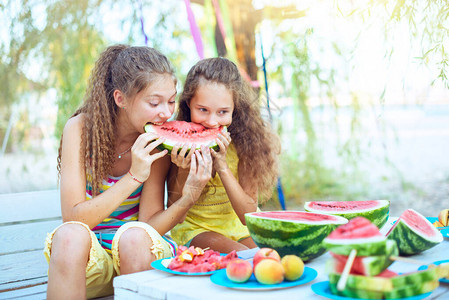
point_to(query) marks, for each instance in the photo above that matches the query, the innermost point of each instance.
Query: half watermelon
(414, 233)
(292, 232)
(376, 211)
(181, 132)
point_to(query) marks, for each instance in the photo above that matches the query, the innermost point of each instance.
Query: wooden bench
(25, 220)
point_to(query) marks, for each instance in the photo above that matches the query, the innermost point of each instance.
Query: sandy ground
(416, 143)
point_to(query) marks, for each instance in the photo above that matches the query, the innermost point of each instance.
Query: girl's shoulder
(74, 124)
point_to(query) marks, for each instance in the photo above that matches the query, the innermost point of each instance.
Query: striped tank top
(126, 212)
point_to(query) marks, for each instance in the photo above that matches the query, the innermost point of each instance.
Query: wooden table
(156, 284)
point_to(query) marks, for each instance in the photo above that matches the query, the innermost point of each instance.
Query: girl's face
(155, 104)
(212, 105)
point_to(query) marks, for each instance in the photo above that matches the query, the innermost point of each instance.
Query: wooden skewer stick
(344, 275)
(411, 261)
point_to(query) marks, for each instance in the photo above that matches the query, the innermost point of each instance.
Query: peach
(269, 271)
(239, 270)
(443, 217)
(264, 253)
(293, 267)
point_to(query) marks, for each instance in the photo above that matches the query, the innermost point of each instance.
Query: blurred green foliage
(52, 45)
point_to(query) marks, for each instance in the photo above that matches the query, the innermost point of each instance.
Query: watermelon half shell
(181, 132)
(292, 232)
(376, 211)
(414, 233)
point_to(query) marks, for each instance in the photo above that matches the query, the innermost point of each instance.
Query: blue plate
(157, 264)
(220, 278)
(323, 289)
(437, 263)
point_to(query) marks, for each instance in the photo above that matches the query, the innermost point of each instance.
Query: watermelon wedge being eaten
(292, 232)
(181, 132)
(376, 211)
(414, 233)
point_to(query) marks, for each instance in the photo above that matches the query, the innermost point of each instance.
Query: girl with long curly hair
(112, 179)
(244, 169)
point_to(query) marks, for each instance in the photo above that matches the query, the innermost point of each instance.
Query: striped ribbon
(142, 23)
(194, 30)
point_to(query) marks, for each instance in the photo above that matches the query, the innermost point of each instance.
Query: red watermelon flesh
(416, 222)
(181, 132)
(356, 228)
(208, 261)
(343, 206)
(388, 274)
(299, 216)
(365, 265)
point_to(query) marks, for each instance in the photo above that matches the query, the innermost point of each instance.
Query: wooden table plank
(35, 292)
(25, 237)
(19, 207)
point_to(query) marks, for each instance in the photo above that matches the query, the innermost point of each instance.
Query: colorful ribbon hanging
(142, 23)
(210, 49)
(194, 30)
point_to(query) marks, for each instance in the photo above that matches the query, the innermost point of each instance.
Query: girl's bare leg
(134, 251)
(248, 242)
(69, 255)
(217, 242)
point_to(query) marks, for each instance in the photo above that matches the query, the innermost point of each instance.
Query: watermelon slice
(389, 285)
(414, 233)
(376, 211)
(364, 265)
(359, 234)
(292, 232)
(181, 132)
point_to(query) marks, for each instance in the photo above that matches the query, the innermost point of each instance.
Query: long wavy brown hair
(258, 147)
(120, 67)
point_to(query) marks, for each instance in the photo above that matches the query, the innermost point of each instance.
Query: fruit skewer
(344, 275)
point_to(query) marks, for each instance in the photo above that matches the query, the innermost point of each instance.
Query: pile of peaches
(443, 219)
(268, 268)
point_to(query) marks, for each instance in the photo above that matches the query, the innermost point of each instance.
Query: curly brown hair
(120, 67)
(258, 147)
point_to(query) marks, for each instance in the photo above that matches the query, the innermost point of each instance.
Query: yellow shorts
(102, 267)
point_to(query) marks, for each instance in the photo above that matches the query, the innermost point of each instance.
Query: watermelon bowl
(292, 232)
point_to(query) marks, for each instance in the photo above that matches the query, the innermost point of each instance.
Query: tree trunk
(244, 19)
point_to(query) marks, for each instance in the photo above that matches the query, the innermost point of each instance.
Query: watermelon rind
(397, 293)
(371, 283)
(377, 215)
(411, 242)
(301, 238)
(168, 144)
(412, 290)
(406, 285)
(376, 245)
(354, 293)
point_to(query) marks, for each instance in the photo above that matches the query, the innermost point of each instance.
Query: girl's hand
(181, 160)
(199, 175)
(141, 159)
(223, 141)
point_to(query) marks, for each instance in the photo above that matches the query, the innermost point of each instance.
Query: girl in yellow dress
(243, 170)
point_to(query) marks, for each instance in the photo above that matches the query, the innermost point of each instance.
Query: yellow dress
(213, 210)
